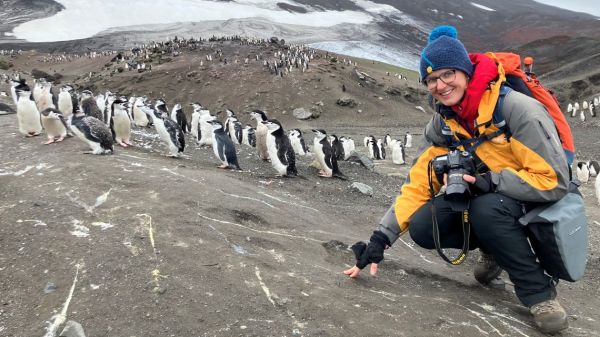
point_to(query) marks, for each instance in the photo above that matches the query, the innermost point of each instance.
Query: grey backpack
(559, 235)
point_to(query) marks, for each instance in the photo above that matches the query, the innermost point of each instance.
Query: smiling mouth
(446, 93)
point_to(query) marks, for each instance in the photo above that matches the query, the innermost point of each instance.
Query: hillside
(176, 247)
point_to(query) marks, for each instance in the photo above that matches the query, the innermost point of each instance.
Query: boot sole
(552, 328)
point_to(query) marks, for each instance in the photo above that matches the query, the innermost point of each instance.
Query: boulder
(302, 114)
(362, 159)
(346, 101)
(362, 188)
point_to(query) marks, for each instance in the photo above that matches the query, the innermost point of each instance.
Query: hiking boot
(549, 316)
(486, 270)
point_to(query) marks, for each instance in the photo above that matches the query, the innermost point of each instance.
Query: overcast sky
(587, 6)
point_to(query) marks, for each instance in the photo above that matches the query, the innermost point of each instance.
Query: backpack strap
(498, 120)
(498, 115)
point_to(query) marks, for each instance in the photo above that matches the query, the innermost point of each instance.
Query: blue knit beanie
(444, 50)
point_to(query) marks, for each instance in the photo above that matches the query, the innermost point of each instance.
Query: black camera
(455, 164)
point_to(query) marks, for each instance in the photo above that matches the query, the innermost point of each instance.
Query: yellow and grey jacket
(530, 165)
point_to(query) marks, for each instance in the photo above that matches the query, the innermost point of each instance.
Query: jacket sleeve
(415, 191)
(544, 172)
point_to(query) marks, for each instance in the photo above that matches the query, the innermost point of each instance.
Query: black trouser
(494, 229)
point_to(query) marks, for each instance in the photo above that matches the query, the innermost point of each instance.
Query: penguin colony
(104, 120)
(585, 108)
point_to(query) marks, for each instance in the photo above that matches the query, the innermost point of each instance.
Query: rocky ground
(137, 244)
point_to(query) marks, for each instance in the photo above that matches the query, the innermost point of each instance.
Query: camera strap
(466, 227)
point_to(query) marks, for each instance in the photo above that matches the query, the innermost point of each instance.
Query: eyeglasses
(446, 77)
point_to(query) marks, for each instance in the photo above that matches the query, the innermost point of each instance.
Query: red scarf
(485, 70)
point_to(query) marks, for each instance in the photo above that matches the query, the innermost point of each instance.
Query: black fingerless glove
(483, 183)
(372, 251)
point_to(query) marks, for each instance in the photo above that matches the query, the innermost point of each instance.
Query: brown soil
(181, 248)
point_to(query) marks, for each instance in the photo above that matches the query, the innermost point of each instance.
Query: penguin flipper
(112, 129)
(173, 130)
(238, 132)
(229, 154)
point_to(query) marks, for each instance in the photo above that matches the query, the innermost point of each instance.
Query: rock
(315, 112)
(362, 188)
(37, 74)
(5, 109)
(193, 73)
(359, 75)
(335, 245)
(362, 159)
(50, 288)
(72, 329)
(319, 103)
(302, 114)
(346, 101)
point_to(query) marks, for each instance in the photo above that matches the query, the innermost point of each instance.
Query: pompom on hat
(444, 50)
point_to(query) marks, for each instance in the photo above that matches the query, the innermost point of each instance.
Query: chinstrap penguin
(297, 141)
(89, 106)
(325, 156)
(223, 146)
(583, 173)
(280, 150)
(28, 115)
(120, 125)
(170, 133)
(261, 133)
(93, 132)
(55, 125)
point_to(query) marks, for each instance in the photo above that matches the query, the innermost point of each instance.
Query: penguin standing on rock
(261, 133)
(92, 131)
(170, 133)
(280, 150)
(28, 115)
(89, 105)
(223, 146)
(55, 125)
(325, 155)
(120, 125)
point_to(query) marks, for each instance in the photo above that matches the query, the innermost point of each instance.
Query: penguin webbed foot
(223, 166)
(50, 141)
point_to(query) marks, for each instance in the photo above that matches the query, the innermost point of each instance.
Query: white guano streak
(62, 317)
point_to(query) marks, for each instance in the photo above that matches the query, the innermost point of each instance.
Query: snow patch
(483, 7)
(82, 19)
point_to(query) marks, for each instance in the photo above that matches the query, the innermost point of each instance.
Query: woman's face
(448, 86)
